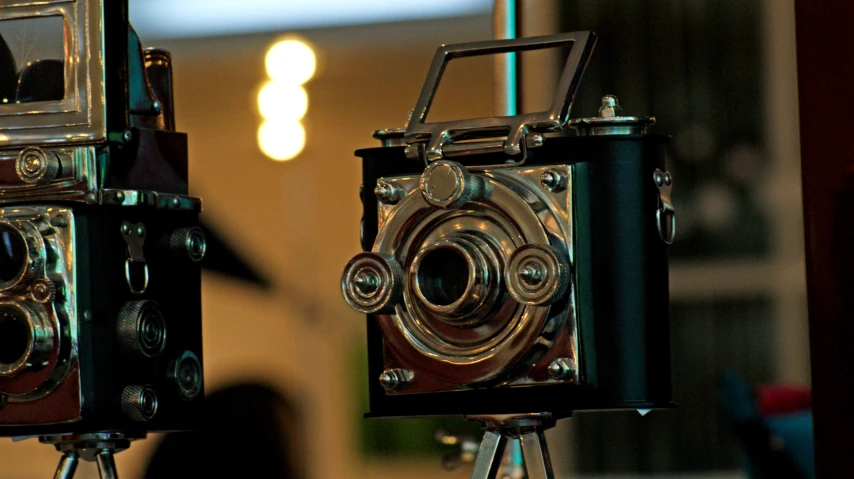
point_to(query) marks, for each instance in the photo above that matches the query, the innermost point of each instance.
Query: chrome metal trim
(56, 226)
(515, 128)
(81, 116)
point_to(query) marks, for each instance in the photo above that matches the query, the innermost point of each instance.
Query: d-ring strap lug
(134, 235)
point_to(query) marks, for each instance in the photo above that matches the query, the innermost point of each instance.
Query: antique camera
(515, 265)
(100, 248)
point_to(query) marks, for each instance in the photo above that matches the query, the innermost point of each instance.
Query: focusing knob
(141, 329)
(36, 166)
(537, 274)
(139, 403)
(449, 185)
(372, 282)
(186, 372)
(189, 243)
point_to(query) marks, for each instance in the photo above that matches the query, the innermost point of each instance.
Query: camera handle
(528, 430)
(96, 447)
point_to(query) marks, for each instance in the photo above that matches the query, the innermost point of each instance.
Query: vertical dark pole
(825, 49)
(116, 64)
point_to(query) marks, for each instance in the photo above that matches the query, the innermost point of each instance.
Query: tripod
(95, 447)
(528, 430)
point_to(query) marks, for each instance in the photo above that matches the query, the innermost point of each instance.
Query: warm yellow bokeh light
(292, 61)
(281, 140)
(282, 101)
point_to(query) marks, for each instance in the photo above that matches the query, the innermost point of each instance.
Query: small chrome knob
(139, 403)
(189, 243)
(141, 329)
(537, 274)
(372, 282)
(37, 166)
(449, 185)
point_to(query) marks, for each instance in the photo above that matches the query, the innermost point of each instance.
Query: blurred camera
(100, 248)
(515, 265)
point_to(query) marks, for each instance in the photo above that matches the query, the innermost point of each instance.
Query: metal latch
(511, 135)
(665, 214)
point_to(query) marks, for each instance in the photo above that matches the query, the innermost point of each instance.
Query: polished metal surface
(45, 295)
(80, 117)
(525, 432)
(563, 368)
(372, 282)
(189, 243)
(34, 165)
(454, 319)
(67, 465)
(94, 447)
(537, 274)
(134, 235)
(489, 456)
(140, 329)
(538, 464)
(611, 122)
(139, 403)
(427, 140)
(396, 379)
(41, 338)
(391, 136)
(665, 215)
(448, 184)
(388, 192)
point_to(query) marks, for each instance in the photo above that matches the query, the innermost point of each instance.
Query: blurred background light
(281, 140)
(197, 18)
(283, 101)
(291, 61)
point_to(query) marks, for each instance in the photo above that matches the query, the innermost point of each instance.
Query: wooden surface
(825, 35)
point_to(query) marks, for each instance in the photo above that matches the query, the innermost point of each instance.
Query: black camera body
(519, 275)
(100, 245)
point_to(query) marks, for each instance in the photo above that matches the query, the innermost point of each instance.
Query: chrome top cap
(611, 121)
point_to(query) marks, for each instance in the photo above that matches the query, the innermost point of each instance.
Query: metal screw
(554, 180)
(87, 316)
(368, 281)
(396, 379)
(141, 231)
(610, 107)
(90, 198)
(532, 274)
(667, 179)
(562, 369)
(659, 178)
(156, 106)
(389, 192)
(120, 197)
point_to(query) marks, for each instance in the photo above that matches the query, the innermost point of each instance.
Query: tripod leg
(537, 460)
(106, 464)
(489, 455)
(67, 466)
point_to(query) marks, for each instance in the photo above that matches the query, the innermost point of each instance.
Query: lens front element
(13, 254)
(26, 339)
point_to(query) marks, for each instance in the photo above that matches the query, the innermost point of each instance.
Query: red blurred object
(774, 400)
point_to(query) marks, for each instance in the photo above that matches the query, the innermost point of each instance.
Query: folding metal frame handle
(427, 140)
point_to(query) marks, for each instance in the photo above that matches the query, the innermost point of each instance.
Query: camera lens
(443, 276)
(13, 252)
(14, 336)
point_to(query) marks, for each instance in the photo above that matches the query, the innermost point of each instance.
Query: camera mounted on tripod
(515, 265)
(100, 245)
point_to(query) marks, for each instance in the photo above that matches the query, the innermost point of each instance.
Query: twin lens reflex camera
(515, 268)
(100, 248)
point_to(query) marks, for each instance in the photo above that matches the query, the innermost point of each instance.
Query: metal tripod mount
(95, 447)
(528, 429)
